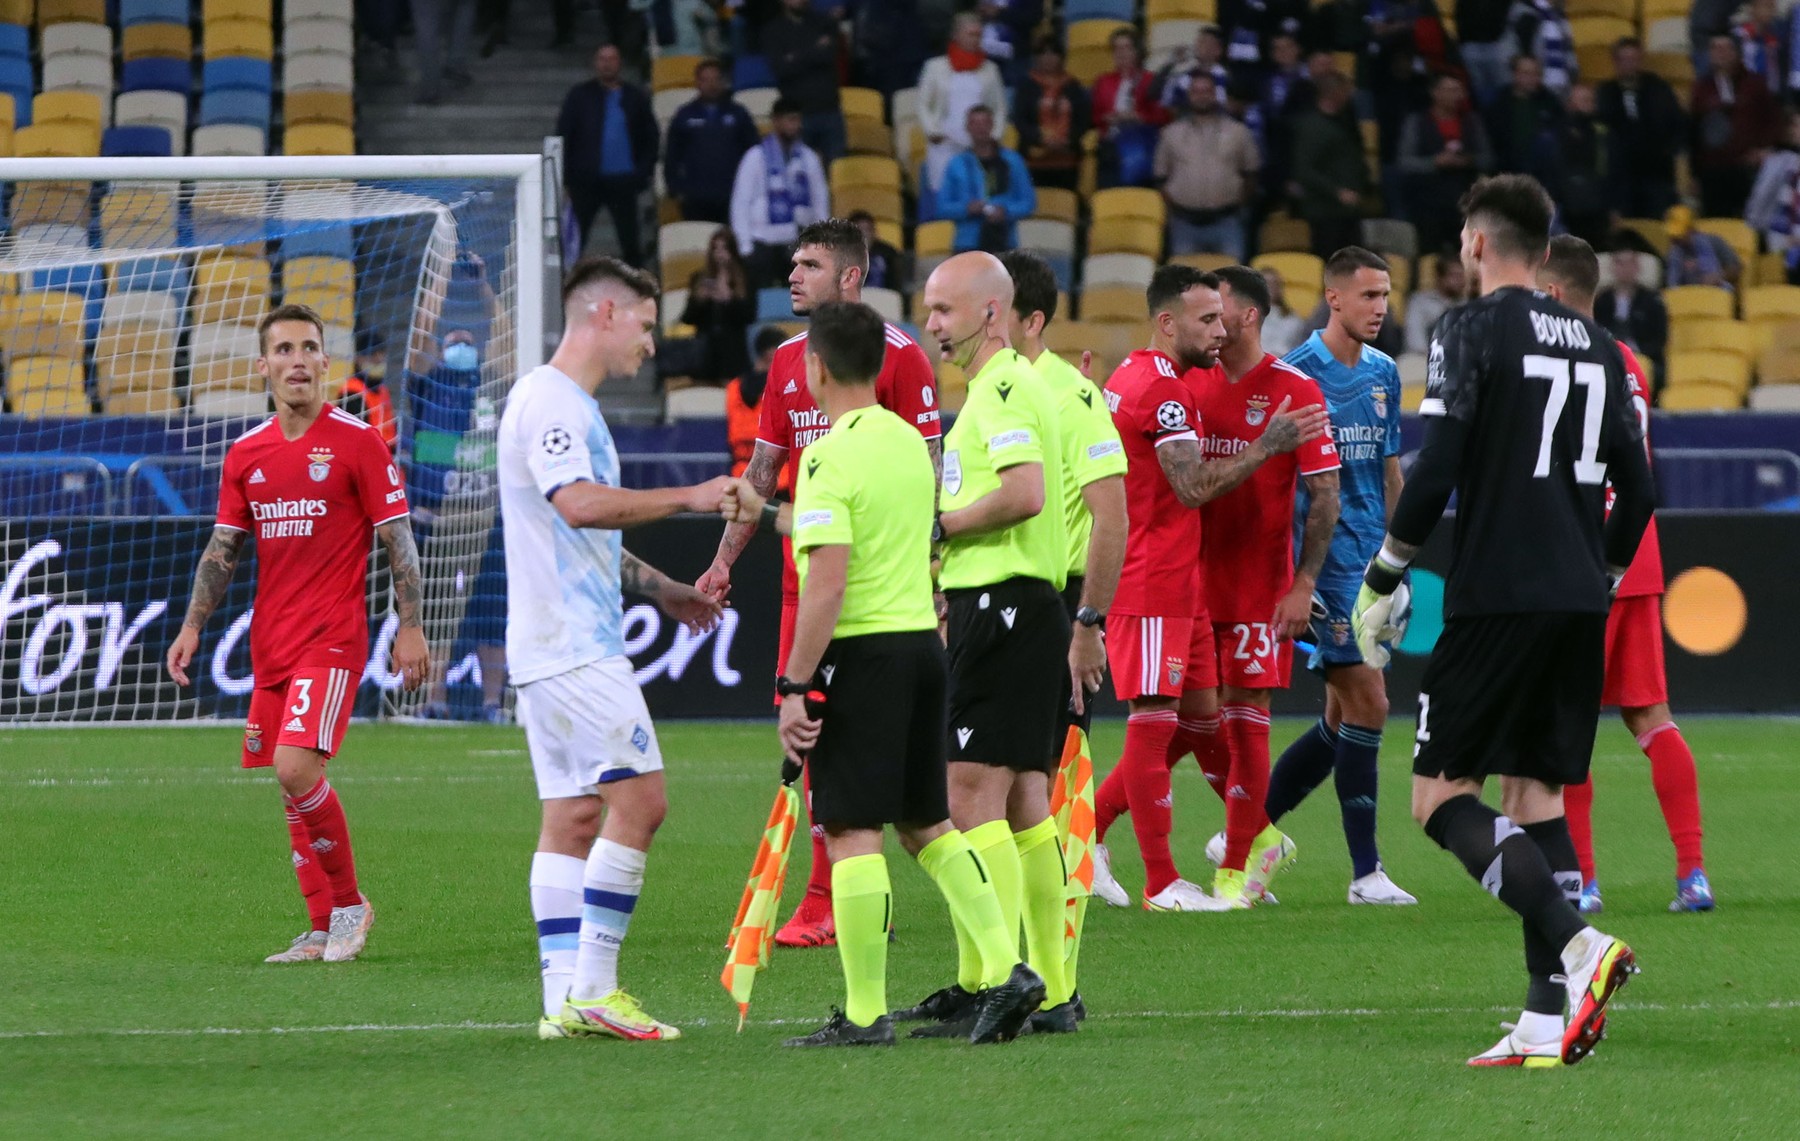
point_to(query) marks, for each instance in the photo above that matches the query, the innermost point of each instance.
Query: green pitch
(145, 877)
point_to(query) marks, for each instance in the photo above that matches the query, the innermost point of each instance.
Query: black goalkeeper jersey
(1528, 414)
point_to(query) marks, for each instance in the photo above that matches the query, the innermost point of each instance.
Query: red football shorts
(310, 710)
(1159, 657)
(1634, 654)
(1251, 656)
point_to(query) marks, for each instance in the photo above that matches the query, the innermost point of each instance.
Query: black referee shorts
(1084, 720)
(880, 755)
(1512, 695)
(1009, 665)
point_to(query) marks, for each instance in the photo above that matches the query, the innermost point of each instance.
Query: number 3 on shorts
(304, 685)
(1265, 645)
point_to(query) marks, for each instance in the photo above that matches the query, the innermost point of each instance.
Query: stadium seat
(139, 215)
(47, 386)
(1686, 301)
(330, 36)
(856, 171)
(86, 74)
(1047, 236)
(862, 103)
(155, 73)
(326, 284)
(1128, 202)
(759, 101)
(1125, 235)
(136, 142)
(220, 356)
(137, 322)
(220, 139)
(1780, 362)
(749, 70)
(1302, 276)
(70, 12)
(1600, 31)
(68, 107)
(1771, 303)
(15, 39)
(1666, 34)
(1114, 304)
(1158, 10)
(1775, 398)
(134, 12)
(1593, 62)
(1651, 230)
(1712, 334)
(1073, 10)
(868, 137)
(1650, 272)
(1117, 269)
(774, 304)
(1737, 234)
(1700, 396)
(319, 139)
(1204, 261)
(308, 9)
(1090, 54)
(883, 205)
(164, 109)
(319, 106)
(1710, 367)
(1058, 204)
(664, 104)
(229, 289)
(259, 10)
(251, 38)
(694, 402)
(248, 108)
(1390, 237)
(237, 73)
(682, 248)
(1166, 40)
(672, 71)
(318, 69)
(887, 302)
(77, 39)
(1280, 233)
(42, 323)
(57, 140)
(157, 41)
(6, 134)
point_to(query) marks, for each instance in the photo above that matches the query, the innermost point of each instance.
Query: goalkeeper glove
(1374, 619)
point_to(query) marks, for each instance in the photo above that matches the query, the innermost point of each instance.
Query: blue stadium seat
(154, 73)
(334, 241)
(752, 71)
(154, 12)
(15, 41)
(137, 142)
(1074, 10)
(16, 81)
(87, 280)
(235, 105)
(237, 73)
(153, 275)
(774, 305)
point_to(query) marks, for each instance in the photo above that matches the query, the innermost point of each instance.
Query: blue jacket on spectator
(582, 123)
(707, 138)
(965, 181)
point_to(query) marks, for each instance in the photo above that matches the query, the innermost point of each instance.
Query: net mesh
(128, 316)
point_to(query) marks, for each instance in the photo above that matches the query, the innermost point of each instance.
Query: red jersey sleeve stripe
(391, 518)
(1321, 469)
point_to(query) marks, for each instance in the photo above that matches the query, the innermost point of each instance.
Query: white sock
(610, 885)
(1537, 1028)
(556, 905)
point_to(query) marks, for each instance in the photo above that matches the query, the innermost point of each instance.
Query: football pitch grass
(146, 877)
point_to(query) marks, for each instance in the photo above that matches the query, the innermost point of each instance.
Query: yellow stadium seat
(1675, 67)
(1710, 367)
(326, 284)
(1295, 269)
(868, 137)
(862, 103)
(57, 140)
(671, 72)
(1089, 63)
(1651, 230)
(1737, 234)
(55, 203)
(318, 139)
(1594, 62)
(157, 41)
(1128, 202)
(1622, 9)
(6, 132)
(1700, 396)
(882, 205)
(875, 171)
(1765, 302)
(81, 107)
(139, 215)
(934, 238)
(150, 368)
(891, 233)
(1113, 304)
(47, 386)
(1125, 236)
(318, 105)
(42, 323)
(70, 12)
(142, 401)
(1600, 31)
(1094, 33)
(1158, 10)
(1710, 334)
(1058, 204)
(1204, 261)
(235, 10)
(1281, 232)
(1685, 301)
(229, 289)
(20, 12)
(252, 38)
(1780, 362)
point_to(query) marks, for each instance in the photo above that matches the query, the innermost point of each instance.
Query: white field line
(1119, 1016)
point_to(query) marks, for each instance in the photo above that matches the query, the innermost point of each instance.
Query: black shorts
(1512, 695)
(1084, 720)
(880, 755)
(1009, 665)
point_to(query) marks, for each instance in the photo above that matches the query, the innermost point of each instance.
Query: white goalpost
(129, 294)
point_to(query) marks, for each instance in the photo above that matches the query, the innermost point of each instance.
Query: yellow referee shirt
(1008, 419)
(1090, 445)
(868, 484)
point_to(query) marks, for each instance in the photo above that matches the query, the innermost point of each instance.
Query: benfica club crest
(320, 466)
(1380, 397)
(253, 740)
(1257, 412)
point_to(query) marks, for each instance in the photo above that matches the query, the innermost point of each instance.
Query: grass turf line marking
(1124, 1015)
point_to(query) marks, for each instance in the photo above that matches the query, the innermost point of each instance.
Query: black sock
(1506, 861)
(1302, 767)
(1548, 989)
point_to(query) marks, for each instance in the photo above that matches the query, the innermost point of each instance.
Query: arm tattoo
(1282, 434)
(936, 447)
(211, 578)
(640, 578)
(403, 568)
(1197, 480)
(763, 475)
(1405, 551)
(1321, 522)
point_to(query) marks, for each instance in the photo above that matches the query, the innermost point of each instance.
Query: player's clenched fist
(741, 503)
(705, 498)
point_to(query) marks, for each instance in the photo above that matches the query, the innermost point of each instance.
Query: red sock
(1578, 809)
(1200, 736)
(1110, 802)
(1146, 772)
(1247, 736)
(323, 816)
(314, 887)
(815, 905)
(1677, 786)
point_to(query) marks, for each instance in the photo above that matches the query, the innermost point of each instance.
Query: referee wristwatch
(1089, 617)
(787, 688)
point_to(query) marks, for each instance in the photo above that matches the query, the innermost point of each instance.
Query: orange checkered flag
(753, 931)
(1072, 804)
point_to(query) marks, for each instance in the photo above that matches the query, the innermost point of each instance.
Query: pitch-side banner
(88, 607)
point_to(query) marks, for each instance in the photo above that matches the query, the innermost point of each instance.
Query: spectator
(365, 394)
(887, 265)
(1763, 43)
(1329, 167)
(1645, 118)
(952, 83)
(1631, 313)
(1283, 329)
(1442, 150)
(802, 48)
(1206, 56)
(743, 398)
(1398, 92)
(780, 187)
(986, 190)
(1206, 165)
(1774, 207)
(998, 40)
(1425, 306)
(720, 307)
(1487, 48)
(1522, 119)
(1697, 257)
(891, 43)
(434, 23)
(1251, 27)
(492, 17)
(1281, 94)
(1585, 170)
(707, 137)
(609, 150)
(1541, 30)
(1051, 113)
(1736, 121)
(1127, 115)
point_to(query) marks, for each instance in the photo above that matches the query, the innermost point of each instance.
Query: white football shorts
(586, 728)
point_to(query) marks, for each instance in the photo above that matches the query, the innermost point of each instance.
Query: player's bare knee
(1641, 719)
(298, 770)
(1527, 801)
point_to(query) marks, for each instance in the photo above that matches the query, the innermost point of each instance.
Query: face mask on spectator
(462, 356)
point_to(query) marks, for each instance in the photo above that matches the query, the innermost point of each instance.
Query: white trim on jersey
(772, 444)
(1281, 364)
(338, 681)
(896, 336)
(253, 431)
(1433, 406)
(229, 527)
(1150, 646)
(1187, 435)
(391, 518)
(337, 413)
(796, 337)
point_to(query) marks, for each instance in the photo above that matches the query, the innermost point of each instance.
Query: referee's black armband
(771, 512)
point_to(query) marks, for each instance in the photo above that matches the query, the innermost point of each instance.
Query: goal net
(130, 290)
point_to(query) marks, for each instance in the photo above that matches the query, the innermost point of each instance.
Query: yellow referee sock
(968, 888)
(993, 842)
(861, 900)
(1044, 894)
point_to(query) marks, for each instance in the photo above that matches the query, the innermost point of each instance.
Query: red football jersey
(790, 419)
(1249, 550)
(1645, 575)
(311, 504)
(1151, 406)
